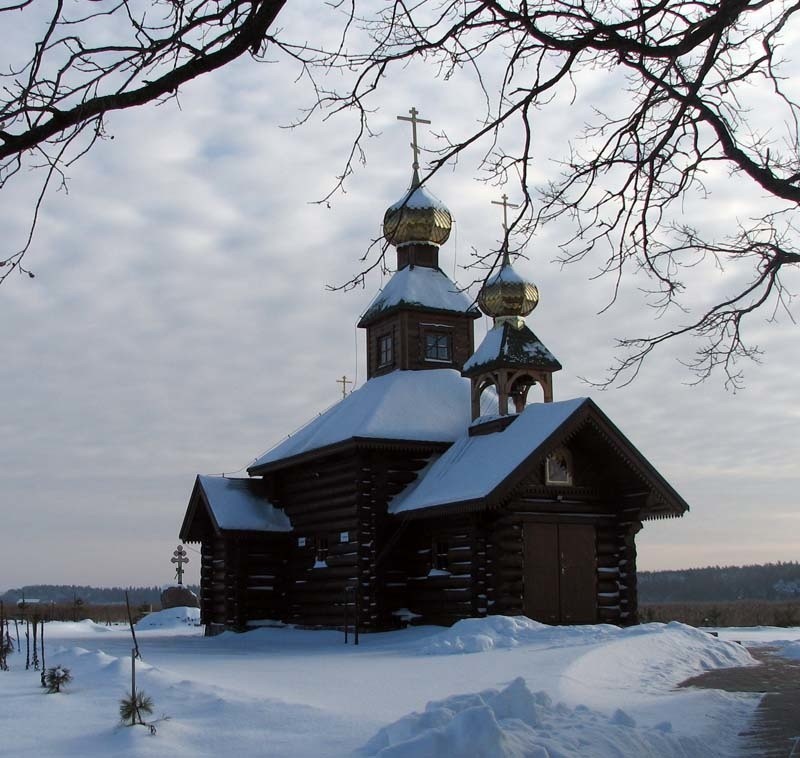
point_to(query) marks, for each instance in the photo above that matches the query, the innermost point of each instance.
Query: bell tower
(511, 358)
(420, 320)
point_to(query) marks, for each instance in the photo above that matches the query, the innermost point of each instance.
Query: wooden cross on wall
(180, 558)
(414, 143)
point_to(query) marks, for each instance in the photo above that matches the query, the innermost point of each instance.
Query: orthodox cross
(180, 558)
(344, 381)
(414, 144)
(506, 205)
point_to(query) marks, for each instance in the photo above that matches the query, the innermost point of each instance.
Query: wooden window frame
(432, 346)
(385, 350)
(567, 458)
(439, 550)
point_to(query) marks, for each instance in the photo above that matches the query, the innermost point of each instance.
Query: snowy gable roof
(505, 345)
(475, 466)
(235, 506)
(420, 406)
(419, 287)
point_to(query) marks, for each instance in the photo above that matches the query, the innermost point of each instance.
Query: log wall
(408, 328)
(321, 500)
(443, 588)
(242, 579)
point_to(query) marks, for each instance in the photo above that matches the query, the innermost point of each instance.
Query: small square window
(438, 346)
(385, 350)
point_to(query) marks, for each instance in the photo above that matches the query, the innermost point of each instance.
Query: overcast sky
(179, 323)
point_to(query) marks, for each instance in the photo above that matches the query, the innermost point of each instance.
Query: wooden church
(450, 484)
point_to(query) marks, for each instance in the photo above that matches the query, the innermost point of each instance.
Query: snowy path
(285, 692)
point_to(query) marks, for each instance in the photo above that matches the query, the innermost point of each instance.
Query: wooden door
(578, 584)
(540, 573)
(559, 574)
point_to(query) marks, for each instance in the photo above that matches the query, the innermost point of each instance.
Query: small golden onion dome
(506, 293)
(418, 217)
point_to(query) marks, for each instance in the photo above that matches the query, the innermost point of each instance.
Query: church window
(438, 346)
(385, 350)
(439, 548)
(558, 467)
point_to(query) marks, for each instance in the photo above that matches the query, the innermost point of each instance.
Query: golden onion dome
(418, 217)
(507, 294)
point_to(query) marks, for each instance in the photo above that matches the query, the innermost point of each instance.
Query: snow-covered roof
(506, 273)
(419, 197)
(505, 344)
(475, 466)
(236, 507)
(419, 287)
(425, 406)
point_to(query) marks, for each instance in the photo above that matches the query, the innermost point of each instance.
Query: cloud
(179, 323)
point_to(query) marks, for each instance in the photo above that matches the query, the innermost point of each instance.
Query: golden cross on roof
(414, 144)
(506, 205)
(344, 381)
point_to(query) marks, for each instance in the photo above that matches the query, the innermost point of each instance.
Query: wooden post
(134, 656)
(35, 644)
(356, 621)
(346, 617)
(3, 634)
(41, 638)
(130, 623)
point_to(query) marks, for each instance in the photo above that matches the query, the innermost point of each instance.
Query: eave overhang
(347, 446)
(373, 317)
(662, 501)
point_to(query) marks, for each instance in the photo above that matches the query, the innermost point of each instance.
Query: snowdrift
(516, 723)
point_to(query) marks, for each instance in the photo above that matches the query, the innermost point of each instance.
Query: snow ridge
(516, 723)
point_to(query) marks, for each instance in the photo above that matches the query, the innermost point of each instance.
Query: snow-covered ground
(485, 687)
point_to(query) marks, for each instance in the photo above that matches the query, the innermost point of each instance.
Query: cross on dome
(414, 143)
(418, 219)
(506, 296)
(506, 205)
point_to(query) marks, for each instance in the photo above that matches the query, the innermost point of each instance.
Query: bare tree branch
(691, 73)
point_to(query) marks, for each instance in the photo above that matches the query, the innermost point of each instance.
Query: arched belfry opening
(511, 358)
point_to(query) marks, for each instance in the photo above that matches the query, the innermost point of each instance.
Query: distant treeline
(770, 581)
(85, 595)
